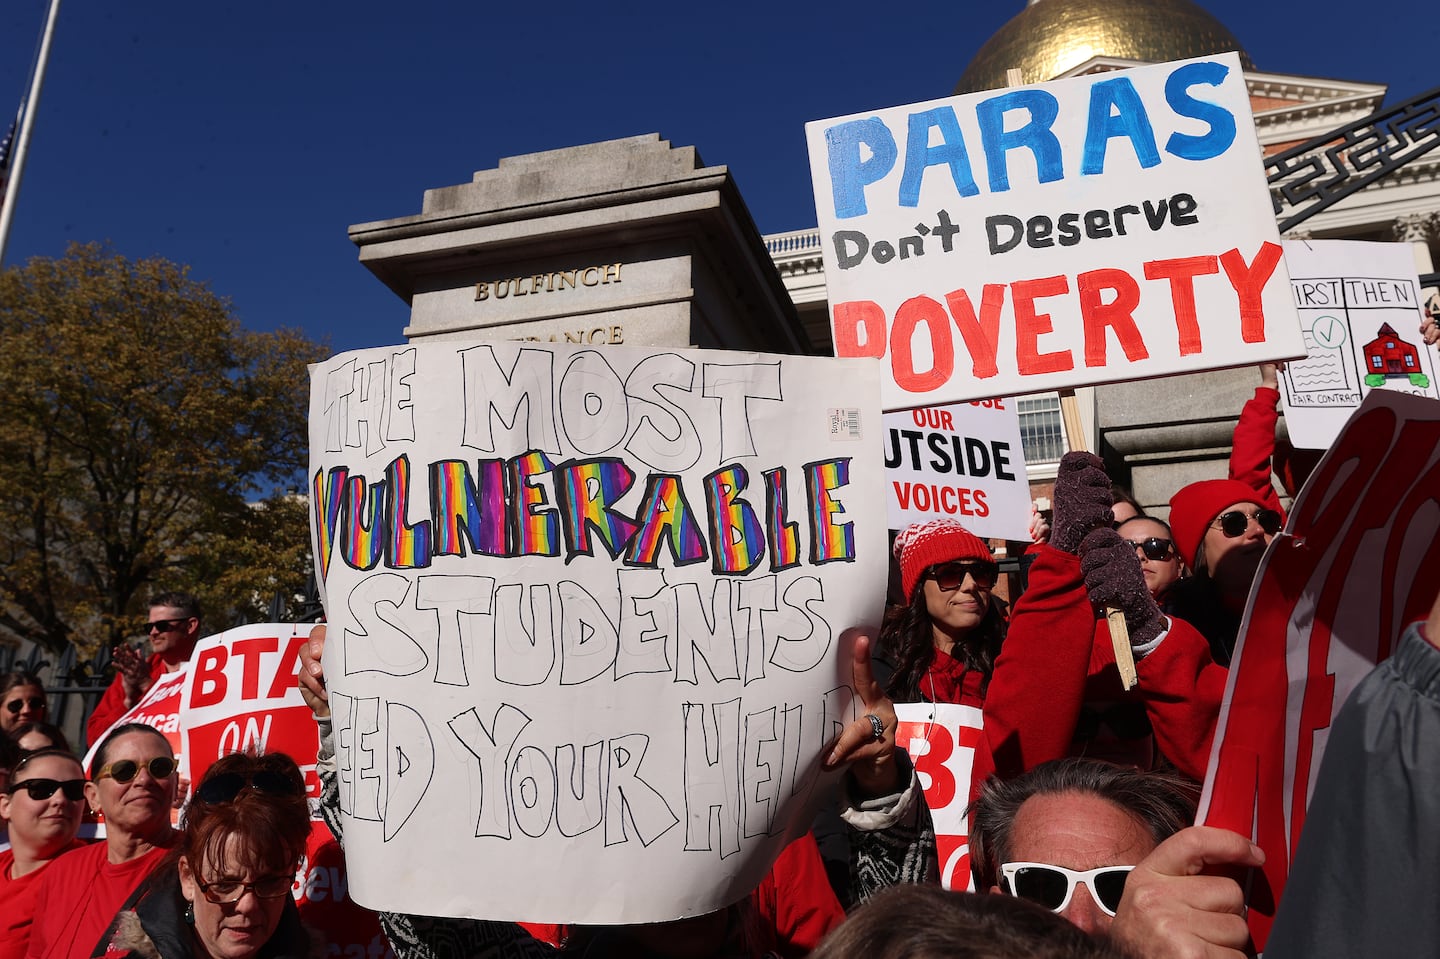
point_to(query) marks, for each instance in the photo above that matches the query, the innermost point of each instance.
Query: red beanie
(1195, 507)
(922, 545)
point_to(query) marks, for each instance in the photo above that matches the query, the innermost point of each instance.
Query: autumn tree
(146, 441)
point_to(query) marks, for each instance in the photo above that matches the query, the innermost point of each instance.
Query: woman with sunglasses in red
(1154, 546)
(224, 891)
(1221, 530)
(943, 641)
(22, 700)
(42, 804)
(133, 783)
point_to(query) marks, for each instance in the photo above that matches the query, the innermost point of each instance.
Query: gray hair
(1165, 803)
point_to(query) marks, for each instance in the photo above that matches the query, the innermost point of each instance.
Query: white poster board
(962, 462)
(1360, 312)
(584, 617)
(941, 739)
(1091, 230)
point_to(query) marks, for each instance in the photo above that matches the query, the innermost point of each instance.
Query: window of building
(1042, 432)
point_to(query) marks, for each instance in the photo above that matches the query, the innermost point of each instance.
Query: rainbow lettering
(460, 506)
(587, 490)
(665, 517)
(737, 540)
(829, 541)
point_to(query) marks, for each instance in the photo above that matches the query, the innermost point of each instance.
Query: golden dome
(1050, 37)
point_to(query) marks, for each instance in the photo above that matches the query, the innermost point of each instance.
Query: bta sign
(962, 462)
(1090, 230)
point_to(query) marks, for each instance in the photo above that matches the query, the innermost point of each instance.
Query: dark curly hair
(907, 640)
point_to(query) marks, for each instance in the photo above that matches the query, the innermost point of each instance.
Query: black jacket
(151, 925)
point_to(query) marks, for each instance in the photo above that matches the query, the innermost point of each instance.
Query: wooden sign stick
(1114, 618)
(1075, 440)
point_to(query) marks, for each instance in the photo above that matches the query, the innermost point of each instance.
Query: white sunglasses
(1054, 886)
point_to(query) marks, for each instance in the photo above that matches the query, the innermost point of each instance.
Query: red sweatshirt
(1057, 657)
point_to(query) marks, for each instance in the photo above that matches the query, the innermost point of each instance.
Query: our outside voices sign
(1098, 229)
(585, 614)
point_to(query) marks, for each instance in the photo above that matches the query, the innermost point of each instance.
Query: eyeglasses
(41, 789)
(1054, 886)
(1154, 547)
(165, 625)
(949, 576)
(1237, 521)
(15, 705)
(224, 892)
(124, 770)
(226, 786)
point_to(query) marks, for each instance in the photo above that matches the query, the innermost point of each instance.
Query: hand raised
(871, 757)
(1171, 908)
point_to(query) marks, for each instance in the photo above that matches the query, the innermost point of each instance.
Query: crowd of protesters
(1080, 824)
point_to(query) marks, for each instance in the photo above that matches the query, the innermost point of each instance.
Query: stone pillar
(1172, 431)
(628, 241)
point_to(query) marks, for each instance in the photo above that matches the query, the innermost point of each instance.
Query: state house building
(634, 241)
(1162, 438)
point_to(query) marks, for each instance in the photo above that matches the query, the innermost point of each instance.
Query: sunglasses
(226, 786)
(165, 625)
(125, 770)
(1237, 521)
(1054, 886)
(1154, 547)
(949, 576)
(40, 789)
(224, 892)
(15, 705)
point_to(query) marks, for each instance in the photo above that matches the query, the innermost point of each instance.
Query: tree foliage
(146, 441)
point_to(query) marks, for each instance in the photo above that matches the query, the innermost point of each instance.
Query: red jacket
(1253, 446)
(1057, 657)
(112, 705)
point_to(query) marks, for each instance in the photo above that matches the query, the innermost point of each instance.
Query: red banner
(1359, 559)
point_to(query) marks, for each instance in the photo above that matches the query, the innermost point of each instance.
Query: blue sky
(243, 139)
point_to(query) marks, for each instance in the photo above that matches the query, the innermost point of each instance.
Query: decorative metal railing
(1316, 174)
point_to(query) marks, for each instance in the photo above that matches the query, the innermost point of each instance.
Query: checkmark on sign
(1329, 332)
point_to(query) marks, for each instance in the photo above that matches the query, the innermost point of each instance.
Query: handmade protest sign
(241, 695)
(941, 739)
(1360, 312)
(1358, 560)
(1102, 228)
(961, 462)
(584, 617)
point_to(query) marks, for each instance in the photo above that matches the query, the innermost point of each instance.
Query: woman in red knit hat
(1221, 528)
(943, 641)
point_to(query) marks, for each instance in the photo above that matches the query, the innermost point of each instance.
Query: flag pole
(27, 123)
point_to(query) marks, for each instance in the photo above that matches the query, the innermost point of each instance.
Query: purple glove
(1082, 500)
(1113, 578)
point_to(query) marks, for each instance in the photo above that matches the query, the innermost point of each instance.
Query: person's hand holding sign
(868, 744)
(312, 675)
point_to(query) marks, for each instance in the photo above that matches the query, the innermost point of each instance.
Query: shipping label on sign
(1096, 229)
(962, 462)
